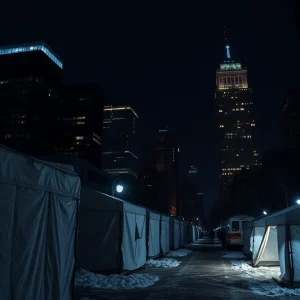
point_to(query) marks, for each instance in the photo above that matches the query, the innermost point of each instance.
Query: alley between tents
(203, 274)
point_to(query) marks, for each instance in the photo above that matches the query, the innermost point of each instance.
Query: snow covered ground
(235, 255)
(179, 253)
(162, 263)
(114, 282)
(260, 279)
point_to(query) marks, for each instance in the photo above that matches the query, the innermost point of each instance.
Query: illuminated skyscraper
(236, 121)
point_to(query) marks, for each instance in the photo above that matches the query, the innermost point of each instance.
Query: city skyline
(166, 70)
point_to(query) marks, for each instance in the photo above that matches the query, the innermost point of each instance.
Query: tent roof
(165, 218)
(288, 216)
(92, 200)
(153, 216)
(23, 170)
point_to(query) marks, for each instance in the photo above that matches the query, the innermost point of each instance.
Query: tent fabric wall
(38, 209)
(176, 234)
(171, 231)
(153, 232)
(100, 232)
(247, 230)
(190, 233)
(164, 234)
(134, 237)
(182, 233)
(108, 224)
(256, 239)
(286, 262)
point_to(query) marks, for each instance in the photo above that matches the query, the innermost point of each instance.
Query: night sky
(161, 57)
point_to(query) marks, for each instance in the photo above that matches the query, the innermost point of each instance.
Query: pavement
(203, 274)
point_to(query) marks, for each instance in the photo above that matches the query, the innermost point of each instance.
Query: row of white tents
(116, 236)
(39, 219)
(274, 240)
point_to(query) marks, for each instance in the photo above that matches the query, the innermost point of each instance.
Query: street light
(119, 187)
(298, 201)
(265, 213)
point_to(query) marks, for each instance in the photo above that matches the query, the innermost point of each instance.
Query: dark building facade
(192, 199)
(119, 154)
(167, 163)
(290, 119)
(30, 77)
(80, 116)
(236, 121)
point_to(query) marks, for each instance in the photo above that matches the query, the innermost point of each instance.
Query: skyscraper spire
(227, 47)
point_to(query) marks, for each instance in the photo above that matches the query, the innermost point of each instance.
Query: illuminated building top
(116, 108)
(32, 47)
(227, 66)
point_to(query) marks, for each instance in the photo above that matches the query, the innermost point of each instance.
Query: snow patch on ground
(163, 263)
(235, 255)
(114, 282)
(260, 279)
(179, 253)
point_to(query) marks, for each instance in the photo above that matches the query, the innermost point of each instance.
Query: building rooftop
(115, 108)
(38, 46)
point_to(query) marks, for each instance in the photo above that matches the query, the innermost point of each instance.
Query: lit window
(80, 123)
(252, 124)
(220, 110)
(7, 135)
(242, 108)
(221, 126)
(81, 118)
(79, 137)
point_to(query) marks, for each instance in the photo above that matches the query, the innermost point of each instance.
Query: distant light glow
(298, 201)
(265, 213)
(30, 48)
(119, 188)
(228, 51)
(178, 150)
(163, 130)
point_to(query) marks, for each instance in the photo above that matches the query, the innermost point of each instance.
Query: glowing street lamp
(118, 188)
(298, 201)
(265, 213)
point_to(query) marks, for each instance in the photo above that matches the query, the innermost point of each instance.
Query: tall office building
(167, 162)
(80, 117)
(119, 154)
(236, 121)
(30, 76)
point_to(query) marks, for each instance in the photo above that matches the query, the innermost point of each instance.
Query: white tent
(276, 239)
(182, 233)
(171, 232)
(194, 233)
(247, 231)
(38, 209)
(190, 233)
(109, 226)
(177, 234)
(153, 234)
(164, 234)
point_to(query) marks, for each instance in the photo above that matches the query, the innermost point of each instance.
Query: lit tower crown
(231, 75)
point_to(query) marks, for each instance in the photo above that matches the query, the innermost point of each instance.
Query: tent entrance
(267, 254)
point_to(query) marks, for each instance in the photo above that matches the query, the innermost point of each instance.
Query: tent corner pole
(290, 252)
(75, 249)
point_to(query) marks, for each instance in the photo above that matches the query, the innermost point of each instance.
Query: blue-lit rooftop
(32, 47)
